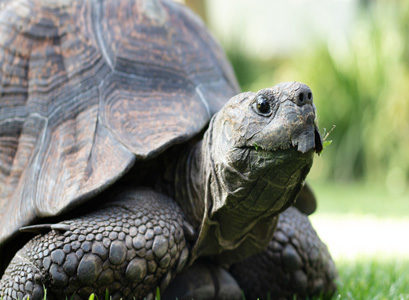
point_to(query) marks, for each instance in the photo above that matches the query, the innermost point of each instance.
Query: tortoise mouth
(302, 142)
(258, 148)
(307, 140)
(317, 140)
(277, 155)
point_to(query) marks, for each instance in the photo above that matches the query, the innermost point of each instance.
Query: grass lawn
(374, 278)
(366, 229)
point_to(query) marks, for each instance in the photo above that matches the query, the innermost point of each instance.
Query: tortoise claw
(42, 228)
(189, 231)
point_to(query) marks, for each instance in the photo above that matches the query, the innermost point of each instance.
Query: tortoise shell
(89, 87)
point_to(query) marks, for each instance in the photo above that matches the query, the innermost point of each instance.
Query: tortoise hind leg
(130, 247)
(296, 262)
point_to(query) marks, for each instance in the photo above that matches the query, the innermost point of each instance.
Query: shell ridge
(96, 26)
(202, 98)
(36, 162)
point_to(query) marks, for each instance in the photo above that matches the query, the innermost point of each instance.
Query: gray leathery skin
(249, 167)
(129, 247)
(296, 262)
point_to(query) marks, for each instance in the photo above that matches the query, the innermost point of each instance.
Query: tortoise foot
(130, 247)
(203, 281)
(296, 262)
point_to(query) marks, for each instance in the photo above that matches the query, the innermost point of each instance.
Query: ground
(366, 229)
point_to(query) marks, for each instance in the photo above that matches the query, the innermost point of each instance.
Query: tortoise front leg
(129, 248)
(203, 280)
(296, 262)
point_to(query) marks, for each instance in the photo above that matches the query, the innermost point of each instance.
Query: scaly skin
(296, 262)
(129, 247)
(249, 167)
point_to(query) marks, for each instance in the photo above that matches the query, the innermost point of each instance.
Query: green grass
(360, 199)
(366, 277)
(373, 279)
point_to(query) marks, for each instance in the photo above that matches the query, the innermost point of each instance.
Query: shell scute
(88, 87)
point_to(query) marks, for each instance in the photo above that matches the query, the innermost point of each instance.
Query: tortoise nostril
(303, 95)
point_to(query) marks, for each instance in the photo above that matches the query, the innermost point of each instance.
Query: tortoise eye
(262, 106)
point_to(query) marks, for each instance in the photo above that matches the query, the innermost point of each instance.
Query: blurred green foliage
(359, 199)
(360, 84)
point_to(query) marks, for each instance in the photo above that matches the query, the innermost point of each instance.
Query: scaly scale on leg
(129, 247)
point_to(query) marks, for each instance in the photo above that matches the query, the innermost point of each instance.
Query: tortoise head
(277, 118)
(262, 149)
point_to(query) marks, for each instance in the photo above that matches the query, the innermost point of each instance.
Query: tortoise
(128, 150)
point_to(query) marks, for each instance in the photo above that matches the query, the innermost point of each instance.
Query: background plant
(361, 85)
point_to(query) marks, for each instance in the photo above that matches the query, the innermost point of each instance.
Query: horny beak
(308, 139)
(317, 140)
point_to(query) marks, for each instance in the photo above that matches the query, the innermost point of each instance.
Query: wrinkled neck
(190, 181)
(232, 197)
(230, 189)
